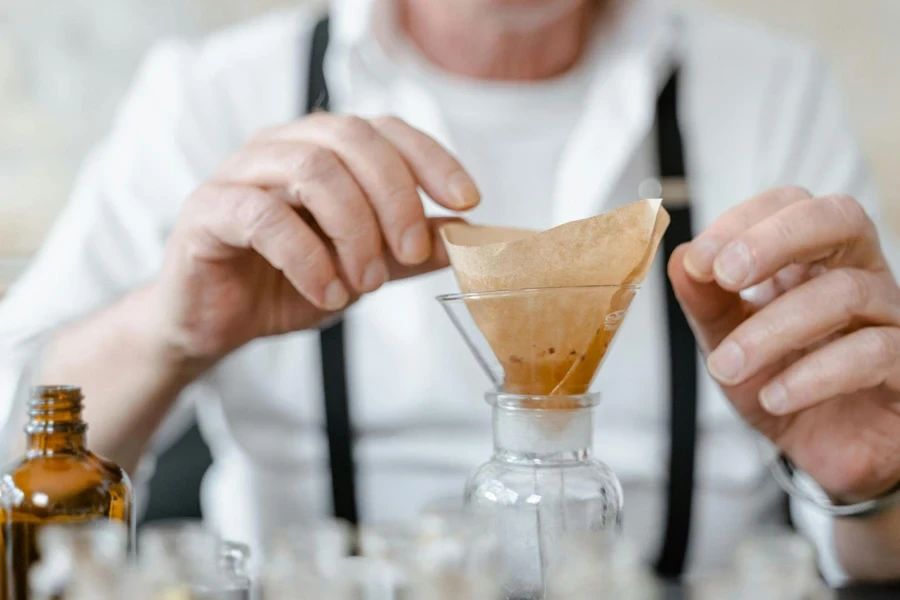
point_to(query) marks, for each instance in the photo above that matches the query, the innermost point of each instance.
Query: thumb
(712, 312)
(438, 259)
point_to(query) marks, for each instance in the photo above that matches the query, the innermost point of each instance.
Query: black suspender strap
(682, 346)
(331, 340)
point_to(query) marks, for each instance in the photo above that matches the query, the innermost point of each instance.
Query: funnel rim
(443, 298)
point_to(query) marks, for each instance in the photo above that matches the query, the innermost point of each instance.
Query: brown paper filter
(569, 286)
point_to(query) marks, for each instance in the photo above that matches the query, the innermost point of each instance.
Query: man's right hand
(298, 224)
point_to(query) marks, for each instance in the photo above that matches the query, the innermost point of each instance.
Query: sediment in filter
(573, 285)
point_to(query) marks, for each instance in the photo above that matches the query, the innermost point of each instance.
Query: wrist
(801, 486)
(162, 343)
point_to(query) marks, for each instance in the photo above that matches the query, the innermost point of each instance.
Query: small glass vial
(540, 484)
(234, 558)
(58, 481)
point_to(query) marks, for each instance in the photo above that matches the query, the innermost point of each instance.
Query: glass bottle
(542, 483)
(58, 481)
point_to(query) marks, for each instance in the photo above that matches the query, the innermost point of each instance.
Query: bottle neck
(54, 423)
(545, 436)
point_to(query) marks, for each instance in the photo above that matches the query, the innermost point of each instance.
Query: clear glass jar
(540, 484)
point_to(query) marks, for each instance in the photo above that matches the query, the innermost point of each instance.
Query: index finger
(835, 229)
(701, 253)
(436, 170)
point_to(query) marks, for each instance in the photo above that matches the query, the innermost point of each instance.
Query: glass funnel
(544, 341)
(541, 349)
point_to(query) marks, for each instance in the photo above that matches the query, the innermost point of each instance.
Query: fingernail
(374, 275)
(462, 190)
(415, 245)
(336, 296)
(726, 362)
(698, 260)
(733, 264)
(774, 398)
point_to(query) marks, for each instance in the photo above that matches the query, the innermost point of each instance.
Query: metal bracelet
(786, 475)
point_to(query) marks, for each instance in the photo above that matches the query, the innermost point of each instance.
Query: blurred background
(64, 64)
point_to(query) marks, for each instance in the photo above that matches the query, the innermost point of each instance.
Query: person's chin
(527, 14)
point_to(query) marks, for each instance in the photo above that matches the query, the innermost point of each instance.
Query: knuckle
(315, 261)
(793, 192)
(433, 153)
(403, 203)
(203, 193)
(853, 288)
(388, 122)
(788, 194)
(317, 119)
(352, 127)
(261, 136)
(850, 211)
(256, 212)
(883, 346)
(361, 232)
(781, 228)
(316, 163)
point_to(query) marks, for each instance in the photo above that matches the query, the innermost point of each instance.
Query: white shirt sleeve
(812, 144)
(110, 236)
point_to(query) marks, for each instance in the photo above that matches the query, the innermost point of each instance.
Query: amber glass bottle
(58, 481)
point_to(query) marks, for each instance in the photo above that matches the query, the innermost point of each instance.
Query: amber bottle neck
(54, 420)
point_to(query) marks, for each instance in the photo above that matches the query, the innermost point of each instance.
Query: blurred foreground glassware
(181, 559)
(305, 562)
(600, 565)
(775, 565)
(457, 556)
(78, 560)
(447, 554)
(233, 563)
(541, 349)
(779, 566)
(58, 481)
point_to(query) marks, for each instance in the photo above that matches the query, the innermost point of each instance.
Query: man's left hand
(794, 305)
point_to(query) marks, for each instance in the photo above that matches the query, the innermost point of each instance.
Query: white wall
(64, 64)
